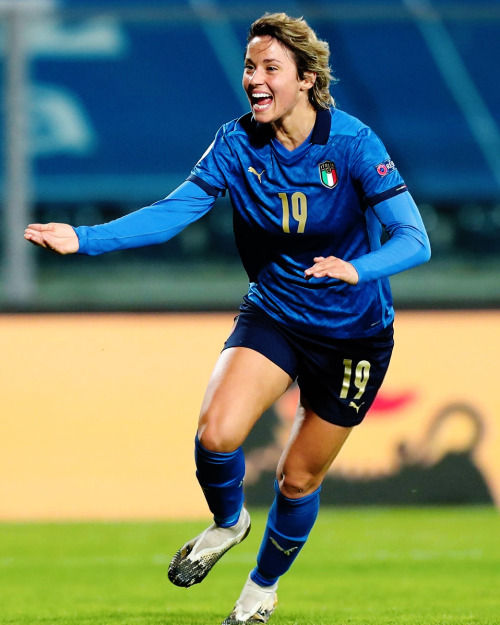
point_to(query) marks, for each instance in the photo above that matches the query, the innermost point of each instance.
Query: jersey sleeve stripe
(385, 195)
(204, 185)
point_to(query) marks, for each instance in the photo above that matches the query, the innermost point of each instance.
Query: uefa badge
(328, 174)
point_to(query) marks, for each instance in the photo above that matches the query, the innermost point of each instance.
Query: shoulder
(348, 125)
(240, 125)
(245, 130)
(336, 127)
(360, 140)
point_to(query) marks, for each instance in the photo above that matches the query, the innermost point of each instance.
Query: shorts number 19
(361, 377)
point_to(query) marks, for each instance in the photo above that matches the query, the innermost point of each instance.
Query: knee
(297, 485)
(214, 435)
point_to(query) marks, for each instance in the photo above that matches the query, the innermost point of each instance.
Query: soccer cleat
(255, 605)
(194, 561)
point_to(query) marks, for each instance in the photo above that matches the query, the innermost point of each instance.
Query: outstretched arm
(60, 238)
(147, 226)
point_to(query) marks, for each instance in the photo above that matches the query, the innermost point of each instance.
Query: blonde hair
(311, 54)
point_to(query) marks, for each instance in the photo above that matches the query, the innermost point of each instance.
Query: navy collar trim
(320, 133)
(322, 127)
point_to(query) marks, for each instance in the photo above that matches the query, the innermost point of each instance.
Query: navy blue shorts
(339, 378)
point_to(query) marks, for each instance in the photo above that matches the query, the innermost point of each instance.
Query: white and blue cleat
(194, 561)
(255, 604)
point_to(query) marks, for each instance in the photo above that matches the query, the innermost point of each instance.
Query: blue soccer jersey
(318, 200)
(329, 197)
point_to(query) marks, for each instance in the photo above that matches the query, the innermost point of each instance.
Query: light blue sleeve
(408, 245)
(148, 226)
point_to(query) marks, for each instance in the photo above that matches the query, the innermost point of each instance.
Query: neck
(292, 132)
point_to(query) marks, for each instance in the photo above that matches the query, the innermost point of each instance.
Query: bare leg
(311, 448)
(243, 385)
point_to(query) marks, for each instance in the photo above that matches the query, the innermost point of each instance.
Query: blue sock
(221, 478)
(288, 526)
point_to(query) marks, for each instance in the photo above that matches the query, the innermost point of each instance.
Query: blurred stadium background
(106, 107)
(117, 100)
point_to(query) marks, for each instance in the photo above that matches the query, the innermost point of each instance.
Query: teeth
(258, 95)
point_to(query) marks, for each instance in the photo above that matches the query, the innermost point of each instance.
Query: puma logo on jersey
(252, 170)
(356, 408)
(286, 552)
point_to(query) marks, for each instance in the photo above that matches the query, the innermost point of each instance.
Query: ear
(308, 80)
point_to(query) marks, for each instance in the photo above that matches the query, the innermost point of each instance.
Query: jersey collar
(320, 133)
(321, 130)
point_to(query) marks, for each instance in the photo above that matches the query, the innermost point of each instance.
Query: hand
(332, 267)
(60, 238)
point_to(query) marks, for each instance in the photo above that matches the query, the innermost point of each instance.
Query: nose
(254, 77)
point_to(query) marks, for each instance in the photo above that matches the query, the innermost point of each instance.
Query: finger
(36, 234)
(314, 271)
(319, 265)
(39, 227)
(328, 268)
(34, 237)
(316, 259)
(41, 239)
(32, 232)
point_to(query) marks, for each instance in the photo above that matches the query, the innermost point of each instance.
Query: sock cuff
(257, 577)
(215, 457)
(228, 521)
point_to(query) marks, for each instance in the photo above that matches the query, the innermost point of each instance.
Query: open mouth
(261, 100)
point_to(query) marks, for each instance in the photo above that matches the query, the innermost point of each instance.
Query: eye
(272, 68)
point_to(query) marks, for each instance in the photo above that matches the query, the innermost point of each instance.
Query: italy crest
(328, 174)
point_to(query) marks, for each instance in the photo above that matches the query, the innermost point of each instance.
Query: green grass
(360, 567)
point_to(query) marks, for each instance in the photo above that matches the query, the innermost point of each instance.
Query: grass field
(360, 567)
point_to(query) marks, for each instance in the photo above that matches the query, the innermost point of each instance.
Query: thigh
(243, 385)
(311, 448)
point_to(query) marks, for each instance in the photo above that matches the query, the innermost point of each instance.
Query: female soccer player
(312, 188)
